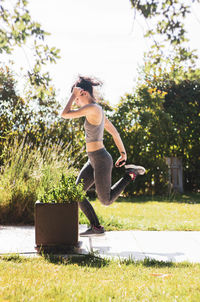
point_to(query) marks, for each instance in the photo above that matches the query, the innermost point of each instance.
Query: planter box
(56, 226)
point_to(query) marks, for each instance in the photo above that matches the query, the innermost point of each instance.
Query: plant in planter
(56, 215)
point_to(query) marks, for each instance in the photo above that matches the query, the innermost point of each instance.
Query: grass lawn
(93, 279)
(181, 214)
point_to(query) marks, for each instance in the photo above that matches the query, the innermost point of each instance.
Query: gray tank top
(94, 133)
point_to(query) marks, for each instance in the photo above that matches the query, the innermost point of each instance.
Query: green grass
(158, 214)
(93, 279)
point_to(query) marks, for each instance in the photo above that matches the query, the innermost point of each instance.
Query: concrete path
(162, 246)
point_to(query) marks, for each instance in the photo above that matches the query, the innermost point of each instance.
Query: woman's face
(81, 99)
(77, 101)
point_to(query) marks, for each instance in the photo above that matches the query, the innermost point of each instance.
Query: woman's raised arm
(67, 113)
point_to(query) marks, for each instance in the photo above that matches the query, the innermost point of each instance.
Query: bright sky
(96, 38)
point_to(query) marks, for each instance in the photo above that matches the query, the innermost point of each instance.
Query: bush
(66, 191)
(26, 175)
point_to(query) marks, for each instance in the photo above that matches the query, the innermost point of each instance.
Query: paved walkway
(163, 246)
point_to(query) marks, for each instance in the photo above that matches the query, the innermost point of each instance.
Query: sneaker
(134, 171)
(93, 231)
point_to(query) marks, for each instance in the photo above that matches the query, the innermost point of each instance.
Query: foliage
(37, 112)
(140, 122)
(27, 173)
(20, 118)
(161, 119)
(66, 191)
(182, 102)
(34, 122)
(150, 121)
(169, 15)
(17, 29)
(13, 109)
(167, 30)
(182, 106)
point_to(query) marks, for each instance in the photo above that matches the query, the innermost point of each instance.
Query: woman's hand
(77, 91)
(121, 160)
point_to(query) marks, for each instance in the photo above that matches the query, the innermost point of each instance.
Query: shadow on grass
(14, 258)
(91, 260)
(94, 261)
(147, 262)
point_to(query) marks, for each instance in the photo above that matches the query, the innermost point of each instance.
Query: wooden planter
(56, 226)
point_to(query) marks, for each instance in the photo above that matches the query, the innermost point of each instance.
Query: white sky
(97, 38)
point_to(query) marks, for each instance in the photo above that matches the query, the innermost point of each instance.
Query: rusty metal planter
(56, 226)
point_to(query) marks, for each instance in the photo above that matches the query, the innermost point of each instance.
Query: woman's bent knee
(106, 202)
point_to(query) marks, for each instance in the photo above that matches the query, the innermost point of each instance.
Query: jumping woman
(98, 169)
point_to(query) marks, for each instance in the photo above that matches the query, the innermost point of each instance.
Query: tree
(167, 30)
(161, 119)
(19, 119)
(168, 16)
(182, 102)
(17, 29)
(168, 81)
(35, 113)
(13, 109)
(143, 126)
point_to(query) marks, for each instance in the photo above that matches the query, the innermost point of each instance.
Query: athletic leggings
(98, 171)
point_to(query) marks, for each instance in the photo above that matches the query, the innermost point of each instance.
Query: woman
(98, 169)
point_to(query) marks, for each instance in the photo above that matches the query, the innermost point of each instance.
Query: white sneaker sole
(141, 170)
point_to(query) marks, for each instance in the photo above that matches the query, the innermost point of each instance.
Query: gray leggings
(98, 171)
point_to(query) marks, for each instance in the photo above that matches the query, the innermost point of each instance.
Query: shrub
(66, 191)
(28, 173)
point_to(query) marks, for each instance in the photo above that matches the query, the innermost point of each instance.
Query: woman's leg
(102, 163)
(87, 175)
